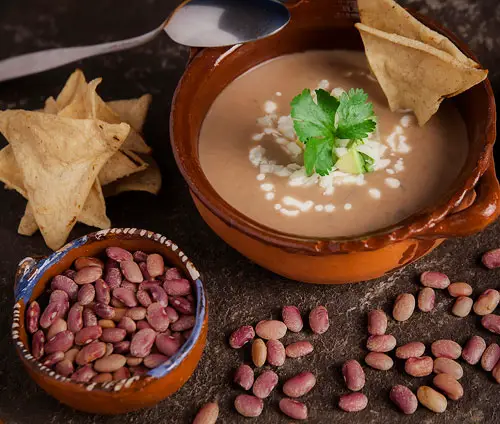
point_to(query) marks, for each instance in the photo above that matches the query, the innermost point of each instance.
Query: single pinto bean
(159, 295)
(419, 367)
(155, 265)
(353, 402)
(154, 359)
(87, 335)
(168, 345)
(487, 302)
(448, 366)
(131, 271)
(86, 261)
(88, 275)
(157, 317)
(86, 294)
(172, 274)
(449, 386)
(65, 368)
(106, 323)
(435, 280)
(119, 314)
(136, 313)
(244, 377)
(183, 305)
(37, 344)
(113, 278)
(180, 287)
(127, 297)
(70, 355)
(299, 385)
(61, 342)
(459, 289)
(143, 298)
(102, 292)
(61, 282)
(104, 311)
(496, 372)
(431, 399)
(264, 384)
(102, 378)
(59, 296)
(110, 363)
(118, 254)
(75, 318)
(83, 374)
(275, 353)
(121, 374)
(271, 330)
(53, 359)
(133, 361)
(404, 399)
(293, 408)
(446, 349)
(113, 335)
(90, 353)
(185, 322)
(491, 259)
(473, 350)
(318, 320)
(379, 361)
(492, 323)
(292, 318)
(354, 376)
(403, 307)
(384, 343)
(410, 350)
(207, 414)
(142, 324)
(426, 299)
(490, 357)
(377, 322)
(58, 326)
(248, 406)
(142, 342)
(241, 336)
(128, 324)
(462, 306)
(51, 313)
(32, 317)
(89, 317)
(299, 349)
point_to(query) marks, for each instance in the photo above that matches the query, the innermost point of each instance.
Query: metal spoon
(195, 23)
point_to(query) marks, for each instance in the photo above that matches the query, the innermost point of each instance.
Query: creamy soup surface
(248, 152)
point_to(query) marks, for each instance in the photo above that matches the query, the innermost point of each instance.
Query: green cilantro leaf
(356, 119)
(369, 163)
(314, 120)
(319, 156)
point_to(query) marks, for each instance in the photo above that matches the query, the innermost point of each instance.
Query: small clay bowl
(120, 396)
(323, 25)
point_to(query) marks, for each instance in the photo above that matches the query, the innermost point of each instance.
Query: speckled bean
(270, 330)
(121, 347)
(293, 409)
(207, 414)
(168, 345)
(259, 352)
(90, 353)
(265, 384)
(180, 287)
(133, 361)
(61, 282)
(318, 320)
(89, 317)
(353, 402)
(83, 374)
(410, 350)
(113, 335)
(426, 299)
(159, 295)
(299, 385)
(449, 386)
(486, 302)
(379, 361)
(131, 271)
(85, 261)
(65, 368)
(157, 317)
(299, 349)
(110, 363)
(60, 342)
(118, 254)
(106, 323)
(462, 306)
(75, 318)
(244, 377)
(419, 367)
(128, 324)
(490, 357)
(292, 318)
(51, 313)
(129, 286)
(59, 296)
(70, 355)
(473, 350)
(154, 359)
(146, 285)
(431, 399)
(248, 406)
(138, 313)
(144, 298)
(140, 256)
(241, 336)
(88, 275)
(53, 359)
(491, 259)
(113, 278)
(172, 274)
(377, 322)
(491, 322)
(32, 317)
(58, 325)
(155, 265)
(104, 311)
(183, 305)
(102, 378)
(86, 294)
(403, 307)
(119, 314)
(37, 344)
(496, 372)
(87, 335)
(142, 324)
(435, 280)
(404, 399)
(275, 353)
(172, 314)
(142, 342)
(144, 269)
(110, 349)
(127, 297)
(384, 343)
(354, 376)
(446, 349)
(459, 289)
(448, 366)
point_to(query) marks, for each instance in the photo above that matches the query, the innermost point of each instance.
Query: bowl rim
(413, 226)
(31, 270)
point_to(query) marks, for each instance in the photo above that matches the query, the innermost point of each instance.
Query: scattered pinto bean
(462, 306)
(473, 350)
(318, 320)
(241, 336)
(293, 409)
(208, 414)
(142, 342)
(487, 302)
(379, 361)
(299, 385)
(271, 330)
(113, 278)
(426, 299)
(244, 377)
(490, 357)
(419, 367)
(264, 384)
(435, 280)
(32, 317)
(404, 399)
(51, 313)
(292, 318)
(275, 353)
(127, 297)
(384, 343)
(299, 349)
(448, 366)
(144, 298)
(491, 259)
(248, 406)
(90, 353)
(496, 372)
(410, 350)
(377, 322)
(431, 399)
(354, 376)
(403, 307)
(449, 386)
(259, 352)
(459, 289)
(138, 313)
(446, 349)
(491, 322)
(353, 402)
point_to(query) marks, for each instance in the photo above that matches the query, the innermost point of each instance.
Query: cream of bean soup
(253, 158)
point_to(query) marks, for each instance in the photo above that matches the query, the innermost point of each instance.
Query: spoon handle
(44, 60)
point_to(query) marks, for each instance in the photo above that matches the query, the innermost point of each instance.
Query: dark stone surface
(239, 291)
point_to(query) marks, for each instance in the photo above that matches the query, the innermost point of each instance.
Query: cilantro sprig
(319, 124)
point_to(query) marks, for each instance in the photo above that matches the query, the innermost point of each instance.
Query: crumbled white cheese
(337, 92)
(269, 196)
(288, 212)
(302, 206)
(256, 155)
(270, 107)
(277, 206)
(279, 94)
(324, 84)
(258, 137)
(329, 208)
(392, 182)
(267, 187)
(347, 206)
(319, 208)
(261, 177)
(375, 193)
(406, 120)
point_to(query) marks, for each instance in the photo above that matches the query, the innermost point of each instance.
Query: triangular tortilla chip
(75, 85)
(414, 75)
(148, 180)
(10, 173)
(60, 159)
(120, 165)
(388, 16)
(132, 111)
(27, 225)
(51, 106)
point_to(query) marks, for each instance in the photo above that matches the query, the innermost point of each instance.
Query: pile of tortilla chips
(416, 67)
(63, 158)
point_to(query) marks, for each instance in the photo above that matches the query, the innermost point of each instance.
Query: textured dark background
(239, 291)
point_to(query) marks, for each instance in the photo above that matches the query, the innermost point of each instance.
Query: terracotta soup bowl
(322, 25)
(120, 396)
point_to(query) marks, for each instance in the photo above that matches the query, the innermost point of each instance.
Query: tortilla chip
(27, 225)
(51, 106)
(132, 111)
(148, 180)
(388, 16)
(120, 165)
(10, 173)
(75, 85)
(414, 75)
(60, 159)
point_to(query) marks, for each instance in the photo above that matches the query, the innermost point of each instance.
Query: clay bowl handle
(484, 211)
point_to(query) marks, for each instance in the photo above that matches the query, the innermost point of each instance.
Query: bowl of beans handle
(329, 25)
(157, 369)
